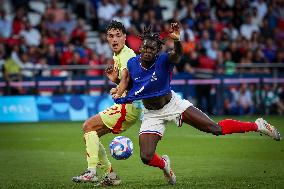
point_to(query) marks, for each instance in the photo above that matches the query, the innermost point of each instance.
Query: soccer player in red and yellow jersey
(114, 119)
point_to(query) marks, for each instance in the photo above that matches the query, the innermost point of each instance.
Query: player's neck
(147, 64)
(116, 53)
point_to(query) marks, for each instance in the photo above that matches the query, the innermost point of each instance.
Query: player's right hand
(174, 32)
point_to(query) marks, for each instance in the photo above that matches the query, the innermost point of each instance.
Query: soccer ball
(121, 148)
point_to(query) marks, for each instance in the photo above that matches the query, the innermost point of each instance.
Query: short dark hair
(116, 25)
(147, 34)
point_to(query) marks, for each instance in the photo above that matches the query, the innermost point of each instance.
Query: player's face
(116, 39)
(149, 50)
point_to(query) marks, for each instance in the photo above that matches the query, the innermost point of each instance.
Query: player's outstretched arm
(174, 34)
(123, 84)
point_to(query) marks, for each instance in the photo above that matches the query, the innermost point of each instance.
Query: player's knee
(87, 126)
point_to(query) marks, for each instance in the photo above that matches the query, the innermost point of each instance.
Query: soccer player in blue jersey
(150, 75)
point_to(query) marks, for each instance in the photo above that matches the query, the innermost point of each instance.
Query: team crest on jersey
(154, 77)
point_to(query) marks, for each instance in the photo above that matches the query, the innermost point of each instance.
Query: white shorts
(154, 121)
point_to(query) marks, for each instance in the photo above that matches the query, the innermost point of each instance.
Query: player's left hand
(115, 96)
(113, 91)
(112, 73)
(174, 32)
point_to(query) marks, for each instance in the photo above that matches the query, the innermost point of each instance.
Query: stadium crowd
(217, 36)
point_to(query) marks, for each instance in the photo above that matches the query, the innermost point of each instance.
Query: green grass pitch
(47, 155)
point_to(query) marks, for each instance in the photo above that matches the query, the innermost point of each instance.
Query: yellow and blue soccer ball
(121, 148)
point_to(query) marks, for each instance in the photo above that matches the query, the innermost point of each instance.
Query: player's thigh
(120, 117)
(196, 118)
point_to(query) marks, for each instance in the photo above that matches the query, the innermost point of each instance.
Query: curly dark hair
(116, 25)
(147, 34)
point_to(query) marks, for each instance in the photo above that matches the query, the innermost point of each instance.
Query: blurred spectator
(95, 62)
(189, 14)
(254, 42)
(265, 30)
(258, 56)
(106, 11)
(231, 101)
(120, 17)
(213, 51)
(245, 102)
(238, 11)
(248, 28)
(78, 32)
(270, 100)
(2, 59)
(158, 9)
(261, 8)
(272, 16)
(205, 40)
(230, 66)
(19, 21)
(206, 67)
(52, 56)
(232, 32)
(5, 25)
(136, 21)
(27, 67)
(255, 17)
(125, 7)
(205, 62)
(223, 11)
(239, 102)
(41, 68)
(67, 55)
(235, 52)
(224, 41)
(57, 13)
(12, 72)
(31, 35)
(185, 30)
(269, 50)
(102, 48)
(132, 39)
(68, 23)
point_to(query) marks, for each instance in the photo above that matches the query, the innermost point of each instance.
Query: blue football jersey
(151, 82)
